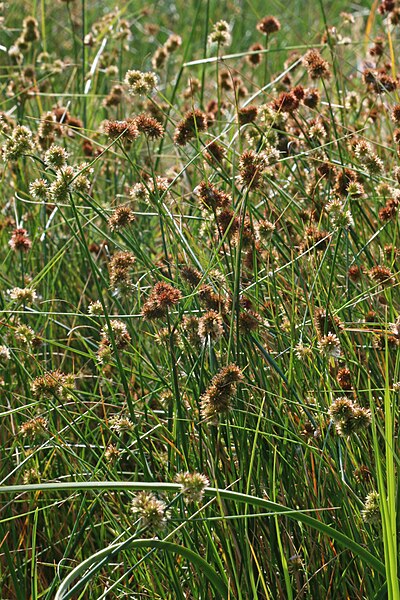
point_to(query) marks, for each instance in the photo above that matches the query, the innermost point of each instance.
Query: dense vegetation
(199, 366)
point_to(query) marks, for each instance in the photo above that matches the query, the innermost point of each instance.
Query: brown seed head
(317, 67)
(268, 25)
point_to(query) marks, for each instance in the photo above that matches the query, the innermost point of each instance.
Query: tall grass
(205, 282)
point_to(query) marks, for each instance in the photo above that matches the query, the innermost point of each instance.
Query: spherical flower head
(220, 34)
(211, 326)
(317, 67)
(5, 354)
(34, 428)
(152, 512)
(25, 295)
(149, 126)
(121, 424)
(19, 144)
(59, 190)
(112, 454)
(140, 84)
(24, 334)
(119, 332)
(268, 25)
(348, 416)
(20, 240)
(140, 192)
(341, 408)
(355, 189)
(363, 151)
(360, 419)
(330, 345)
(150, 79)
(302, 352)
(56, 157)
(121, 218)
(339, 215)
(132, 77)
(193, 485)
(39, 189)
(52, 383)
(95, 308)
(371, 512)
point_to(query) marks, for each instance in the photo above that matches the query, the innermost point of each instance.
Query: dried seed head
(255, 58)
(344, 378)
(382, 275)
(119, 268)
(248, 114)
(317, 67)
(211, 197)
(173, 43)
(287, 102)
(194, 121)
(396, 114)
(311, 98)
(52, 383)
(162, 296)
(149, 126)
(325, 323)
(268, 25)
(20, 241)
(159, 58)
(121, 218)
(211, 326)
(218, 396)
(191, 275)
(190, 326)
(126, 130)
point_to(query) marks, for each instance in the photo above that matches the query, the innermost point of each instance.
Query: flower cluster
(193, 485)
(139, 83)
(162, 297)
(348, 416)
(153, 513)
(53, 384)
(217, 398)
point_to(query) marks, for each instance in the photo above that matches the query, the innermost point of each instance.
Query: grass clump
(199, 301)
